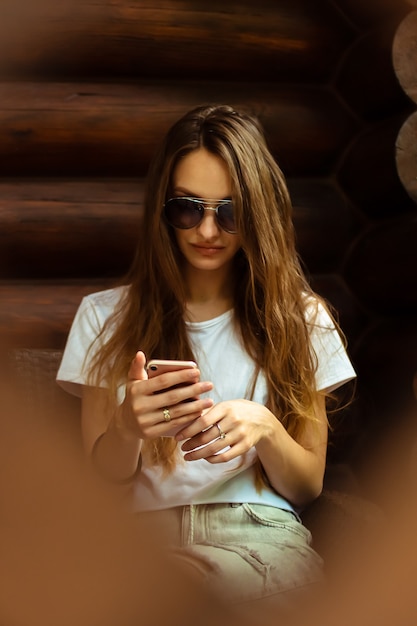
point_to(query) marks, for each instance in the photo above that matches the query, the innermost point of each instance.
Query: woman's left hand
(231, 427)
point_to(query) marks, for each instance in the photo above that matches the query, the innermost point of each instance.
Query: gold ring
(222, 435)
(167, 415)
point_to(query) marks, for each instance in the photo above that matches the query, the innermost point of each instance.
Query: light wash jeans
(244, 552)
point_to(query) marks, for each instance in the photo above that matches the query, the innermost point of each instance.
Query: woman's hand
(153, 408)
(226, 431)
(295, 469)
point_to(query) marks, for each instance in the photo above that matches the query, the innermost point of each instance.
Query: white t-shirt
(221, 359)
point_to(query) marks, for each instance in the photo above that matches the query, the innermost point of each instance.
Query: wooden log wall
(88, 89)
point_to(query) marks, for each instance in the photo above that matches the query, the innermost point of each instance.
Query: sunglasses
(187, 212)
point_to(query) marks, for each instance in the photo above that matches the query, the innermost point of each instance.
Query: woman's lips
(207, 250)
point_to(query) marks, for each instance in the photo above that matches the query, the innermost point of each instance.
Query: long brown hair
(271, 289)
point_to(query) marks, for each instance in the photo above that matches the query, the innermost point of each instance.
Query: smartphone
(160, 366)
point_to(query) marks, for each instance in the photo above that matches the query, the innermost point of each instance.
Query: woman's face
(201, 174)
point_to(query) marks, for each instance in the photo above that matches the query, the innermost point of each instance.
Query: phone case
(160, 366)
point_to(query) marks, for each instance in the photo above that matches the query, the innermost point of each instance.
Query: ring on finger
(222, 435)
(167, 415)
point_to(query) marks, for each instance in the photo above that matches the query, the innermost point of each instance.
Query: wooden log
(380, 268)
(68, 228)
(366, 79)
(288, 40)
(114, 191)
(404, 53)
(347, 309)
(324, 223)
(76, 129)
(386, 363)
(71, 229)
(39, 314)
(368, 172)
(406, 155)
(371, 12)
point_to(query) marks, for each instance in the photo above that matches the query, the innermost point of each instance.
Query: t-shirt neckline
(211, 322)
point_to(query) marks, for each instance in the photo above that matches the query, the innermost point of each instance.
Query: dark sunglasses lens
(226, 217)
(183, 213)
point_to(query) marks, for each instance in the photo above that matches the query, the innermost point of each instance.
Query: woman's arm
(295, 469)
(114, 449)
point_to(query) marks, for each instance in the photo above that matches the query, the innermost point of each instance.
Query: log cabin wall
(88, 89)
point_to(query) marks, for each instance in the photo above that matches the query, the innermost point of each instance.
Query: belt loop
(191, 526)
(187, 525)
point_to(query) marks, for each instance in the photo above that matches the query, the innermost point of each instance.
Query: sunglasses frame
(202, 203)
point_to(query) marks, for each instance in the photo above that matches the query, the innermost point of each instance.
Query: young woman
(227, 454)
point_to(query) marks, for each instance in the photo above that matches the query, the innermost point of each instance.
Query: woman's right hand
(152, 408)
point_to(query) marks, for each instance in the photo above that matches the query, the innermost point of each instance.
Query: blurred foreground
(72, 553)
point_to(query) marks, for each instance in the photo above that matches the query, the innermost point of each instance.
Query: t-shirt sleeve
(80, 348)
(333, 364)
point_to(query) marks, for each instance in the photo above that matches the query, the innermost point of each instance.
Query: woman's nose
(208, 226)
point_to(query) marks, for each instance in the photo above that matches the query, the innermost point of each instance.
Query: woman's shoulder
(97, 308)
(107, 298)
(317, 311)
